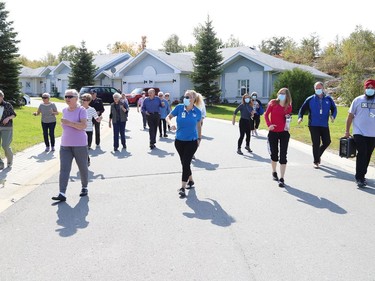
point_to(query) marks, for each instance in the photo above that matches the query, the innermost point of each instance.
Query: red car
(136, 94)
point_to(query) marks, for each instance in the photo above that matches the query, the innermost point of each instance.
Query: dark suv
(136, 94)
(103, 92)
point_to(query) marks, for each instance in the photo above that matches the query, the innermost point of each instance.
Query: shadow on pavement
(206, 165)
(160, 153)
(44, 156)
(315, 201)
(71, 219)
(92, 176)
(205, 210)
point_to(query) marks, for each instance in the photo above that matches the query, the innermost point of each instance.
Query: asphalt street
(237, 224)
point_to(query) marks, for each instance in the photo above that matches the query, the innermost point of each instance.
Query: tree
(331, 60)
(173, 45)
(232, 42)
(9, 63)
(274, 46)
(123, 47)
(83, 69)
(351, 85)
(67, 53)
(207, 63)
(300, 84)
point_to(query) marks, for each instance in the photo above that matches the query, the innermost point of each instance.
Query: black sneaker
(181, 192)
(84, 192)
(60, 197)
(248, 148)
(281, 182)
(361, 183)
(239, 151)
(152, 146)
(165, 135)
(190, 185)
(275, 177)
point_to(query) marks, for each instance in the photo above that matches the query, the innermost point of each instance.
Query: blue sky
(46, 26)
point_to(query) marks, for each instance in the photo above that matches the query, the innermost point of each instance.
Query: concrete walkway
(237, 224)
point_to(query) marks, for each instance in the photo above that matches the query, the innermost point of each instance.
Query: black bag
(347, 147)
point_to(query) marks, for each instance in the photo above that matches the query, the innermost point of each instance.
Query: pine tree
(83, 68)
(9, 65)
(207, 63)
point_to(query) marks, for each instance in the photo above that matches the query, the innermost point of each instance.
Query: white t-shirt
(363, 110)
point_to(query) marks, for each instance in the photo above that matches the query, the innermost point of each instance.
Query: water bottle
(288, 120)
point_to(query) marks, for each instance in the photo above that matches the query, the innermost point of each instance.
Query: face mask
(281, 97)
(186, 101)
(318, 91)
(370, 92)
(254, 97)
(247, 100)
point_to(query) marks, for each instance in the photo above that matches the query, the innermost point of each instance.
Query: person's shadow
(71, 219)
(43, 157)
(315, 201)
(160, 152)
(202, 164)
(91, 176)
(207, 210)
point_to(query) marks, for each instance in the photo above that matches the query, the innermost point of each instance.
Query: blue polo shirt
(186, 122)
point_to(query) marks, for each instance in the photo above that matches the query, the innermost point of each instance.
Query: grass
(298, 132)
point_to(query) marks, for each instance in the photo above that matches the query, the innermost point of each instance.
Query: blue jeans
(118, 129)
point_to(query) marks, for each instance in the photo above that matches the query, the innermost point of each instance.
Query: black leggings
(244, 125)
(274, 139)
(186, 150)
(49, 130)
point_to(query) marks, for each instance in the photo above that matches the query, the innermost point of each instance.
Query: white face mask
(186, 101)
(247, 100)
(318, 91)
(281, 97)
(254, 97)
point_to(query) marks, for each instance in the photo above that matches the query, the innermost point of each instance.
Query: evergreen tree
(207, 63)
(9, 64)
(83, 69)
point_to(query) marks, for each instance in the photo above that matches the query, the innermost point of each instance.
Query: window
(28, 85)
(243, 87)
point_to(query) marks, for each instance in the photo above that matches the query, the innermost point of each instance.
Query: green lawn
(298, 132)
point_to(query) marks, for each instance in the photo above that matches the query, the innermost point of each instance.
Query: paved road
(237, 224)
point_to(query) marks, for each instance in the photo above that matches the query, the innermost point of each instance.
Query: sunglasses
(186, 97)
(70, 97)
(84, 100)
(45, 98)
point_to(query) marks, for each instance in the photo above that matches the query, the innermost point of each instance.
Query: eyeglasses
(45, 98)
(70, 97)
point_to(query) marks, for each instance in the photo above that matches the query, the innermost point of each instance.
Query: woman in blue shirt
(188, 135)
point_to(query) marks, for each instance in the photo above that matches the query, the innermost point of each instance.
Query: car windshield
(137, 91)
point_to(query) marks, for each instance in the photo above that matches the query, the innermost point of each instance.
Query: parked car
(103, 92)
(25, 99)
(136, 94)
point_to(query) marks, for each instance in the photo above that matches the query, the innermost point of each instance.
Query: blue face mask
(318, 91)
(186, 101)
(254, 97)
(247, 100)
(281, 97)
(370, 92)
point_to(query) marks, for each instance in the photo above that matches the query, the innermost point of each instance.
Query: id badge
(183, 115)
(321, 111)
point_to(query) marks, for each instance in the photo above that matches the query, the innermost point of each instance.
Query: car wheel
(23, 101)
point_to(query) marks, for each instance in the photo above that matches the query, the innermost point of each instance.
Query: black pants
(365, 148)
(153, 122)
(89, 138)
(244, 126)
(186, 150)
(49, 130)
(256, 122)
(97, 131)
(274, 140)
(163, 123)
(319, 134)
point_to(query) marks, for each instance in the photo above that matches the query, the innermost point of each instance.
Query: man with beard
(362, 115)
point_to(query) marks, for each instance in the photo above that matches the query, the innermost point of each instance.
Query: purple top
(71, 136)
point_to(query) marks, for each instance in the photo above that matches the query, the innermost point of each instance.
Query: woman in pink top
(73, 144)
(277, 117)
